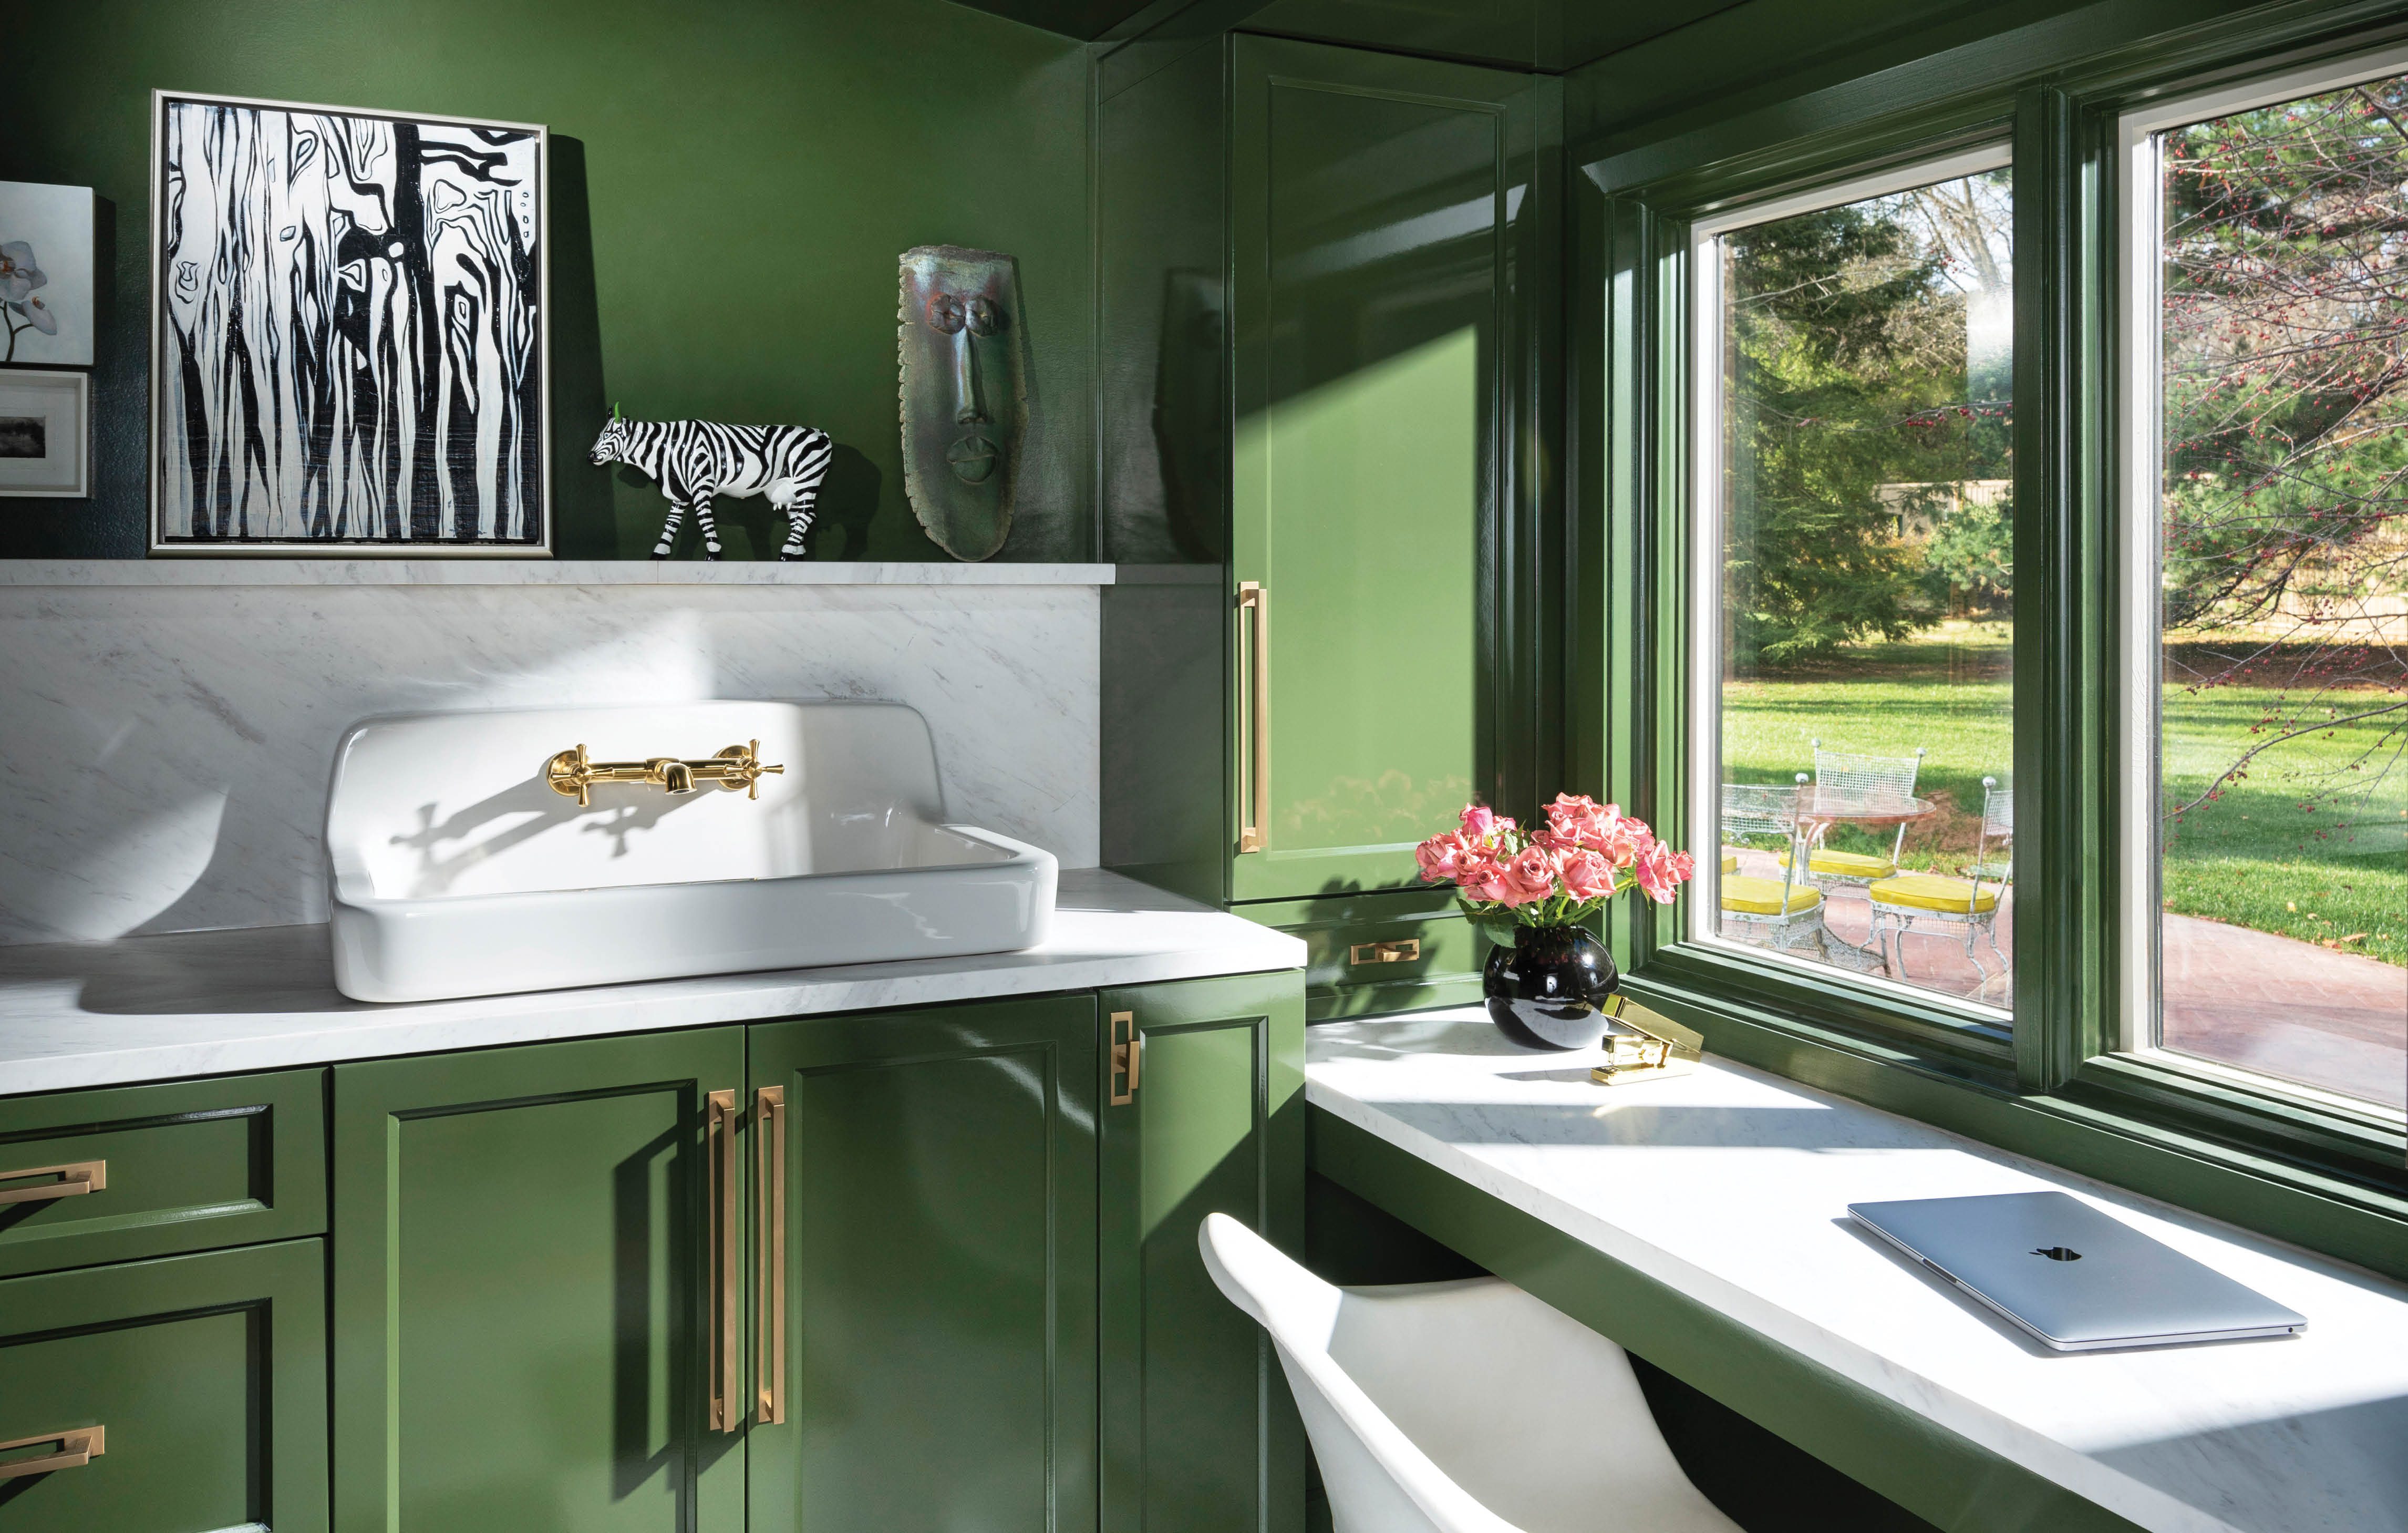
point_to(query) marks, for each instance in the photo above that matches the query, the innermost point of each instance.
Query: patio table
(1820, 807)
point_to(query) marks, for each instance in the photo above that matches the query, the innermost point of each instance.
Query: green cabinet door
(529, 1302)
(1199, 1433)
(173, 1396)
(929, 1340)
(1391, 226)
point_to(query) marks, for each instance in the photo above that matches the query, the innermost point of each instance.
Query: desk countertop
(1731, 1186)
(210, 1003)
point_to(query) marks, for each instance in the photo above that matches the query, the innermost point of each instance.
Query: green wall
(732, 183)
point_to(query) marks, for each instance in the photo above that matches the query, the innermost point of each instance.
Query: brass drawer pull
(726, 1415)
(1254, 832)
(75, 1179)
(1128, 1056)
(769, 1260)
(77, 1447)
(1405, 951)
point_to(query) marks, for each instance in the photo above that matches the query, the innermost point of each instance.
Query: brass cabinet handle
(77, 1447)
(769, 1257)
(1405, 951)
(727, 1324)
(1128, 1054)
(1253, 834)
(76, 1178)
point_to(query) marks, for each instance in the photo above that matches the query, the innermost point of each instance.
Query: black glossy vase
(1548, 990)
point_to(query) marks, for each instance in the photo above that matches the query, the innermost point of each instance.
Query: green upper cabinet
(537, 1288)
(1203, 1092)
(1388, 218)
(926, 1265)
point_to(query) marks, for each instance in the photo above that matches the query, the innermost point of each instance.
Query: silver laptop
(2077, 1279)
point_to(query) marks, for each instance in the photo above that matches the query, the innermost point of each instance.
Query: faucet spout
(672, 774)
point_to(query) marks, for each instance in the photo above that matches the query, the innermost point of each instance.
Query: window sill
(2344, 1194)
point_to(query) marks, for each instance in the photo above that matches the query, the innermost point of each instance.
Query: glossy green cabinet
(1355, 250)
(131, 1171)
(927, 1325)
(910, 1270)
(1378, 206)
(529, 1287)
(177, 1394)
(1203, 1112)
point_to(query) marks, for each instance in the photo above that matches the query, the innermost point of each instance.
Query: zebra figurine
(694, 460)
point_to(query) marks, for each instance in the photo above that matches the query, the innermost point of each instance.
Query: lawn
(2259, 857)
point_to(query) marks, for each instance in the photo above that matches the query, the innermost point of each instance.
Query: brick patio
(2335, 1020)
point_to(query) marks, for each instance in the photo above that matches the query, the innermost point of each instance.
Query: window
(2266, 515)
(1852, 726)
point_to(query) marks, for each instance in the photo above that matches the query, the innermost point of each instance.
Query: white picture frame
(45, 433)
(45, 275)
(389, 227)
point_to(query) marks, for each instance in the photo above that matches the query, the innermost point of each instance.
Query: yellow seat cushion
(1845, 864)
(1730, 861)
(1762, 896)
(1931, 892)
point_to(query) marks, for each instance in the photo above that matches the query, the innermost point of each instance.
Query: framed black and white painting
(45, 432)
(46, 292)
(349, 327)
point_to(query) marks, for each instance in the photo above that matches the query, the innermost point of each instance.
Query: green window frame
(2071, 1080)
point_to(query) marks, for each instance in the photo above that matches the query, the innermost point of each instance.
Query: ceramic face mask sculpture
(964, 394)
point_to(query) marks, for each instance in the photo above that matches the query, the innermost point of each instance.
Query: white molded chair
(1462, 1407)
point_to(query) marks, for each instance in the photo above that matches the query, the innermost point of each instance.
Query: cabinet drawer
(184, 1166)
(166, 1397)
(1372, 954)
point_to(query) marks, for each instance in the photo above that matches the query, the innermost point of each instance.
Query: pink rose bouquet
(1557, 875)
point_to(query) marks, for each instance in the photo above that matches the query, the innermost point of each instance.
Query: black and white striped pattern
(693, 461)
(349, 332)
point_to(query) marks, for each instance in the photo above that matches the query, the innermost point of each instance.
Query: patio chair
(1999, 829)
(1972, 904)
(1876, 779)
(1784, 913)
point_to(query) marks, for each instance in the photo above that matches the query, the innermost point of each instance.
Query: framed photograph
(45, 432)
(46, 283)
(349, 332)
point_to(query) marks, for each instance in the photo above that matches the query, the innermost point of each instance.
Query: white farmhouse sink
(457, 869)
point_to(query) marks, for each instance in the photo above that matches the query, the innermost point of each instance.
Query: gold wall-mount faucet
(571, 775)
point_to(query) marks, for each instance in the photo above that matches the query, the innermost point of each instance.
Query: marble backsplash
(167, 744)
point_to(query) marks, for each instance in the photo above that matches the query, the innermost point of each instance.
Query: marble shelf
(1731, 1186)
(235, 570)
(213, 1003)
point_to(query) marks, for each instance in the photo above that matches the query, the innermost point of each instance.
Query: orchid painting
(1557, 875)
(46, 274)
(22, 310)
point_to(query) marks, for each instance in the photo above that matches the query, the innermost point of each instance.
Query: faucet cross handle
(748, 768)
(571, 775)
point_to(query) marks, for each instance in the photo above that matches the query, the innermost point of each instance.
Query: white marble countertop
(1731, 1186)
(212, 1003)
(477, 571)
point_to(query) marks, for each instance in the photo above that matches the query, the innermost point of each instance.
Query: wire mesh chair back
(1997, 811)
(1875, 778)
(1990, 858)
(1751, 811)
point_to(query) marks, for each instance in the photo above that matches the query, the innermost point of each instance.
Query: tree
(2285, 346)
(1848, 352)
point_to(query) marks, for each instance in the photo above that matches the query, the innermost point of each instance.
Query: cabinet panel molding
(187, 1166)
(524, 1289)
